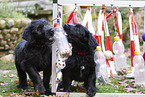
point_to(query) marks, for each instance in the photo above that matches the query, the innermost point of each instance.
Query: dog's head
(78, 34)
(39, 32)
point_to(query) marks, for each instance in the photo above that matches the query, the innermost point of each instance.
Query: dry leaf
(29, 93)
(115, 86)
(67, 94)
(11, 75)
(116, 91)
(3, 91)
(130, 89)
(17, 81)
(5, 75)
(143, 92)
(97, 83)
(43, 96)
(1, 82)
(111, 84)
(14, 94)
(37, 92)
(30, 83)
(132, 80)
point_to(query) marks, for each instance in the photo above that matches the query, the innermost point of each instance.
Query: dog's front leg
(91, 84)
(22, 76)
(34, 76)
(46, 80)
(36, 79)
(66, 81)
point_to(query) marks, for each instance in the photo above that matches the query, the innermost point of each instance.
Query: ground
(9, 80)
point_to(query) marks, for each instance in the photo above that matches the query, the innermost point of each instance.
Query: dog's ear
(92, 42)
(26, 33)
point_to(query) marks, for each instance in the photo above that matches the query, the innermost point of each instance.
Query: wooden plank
(54, 53)
(43, 11)
(120, 3)
(74, 94)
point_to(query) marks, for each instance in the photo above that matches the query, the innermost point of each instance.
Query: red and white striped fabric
(135, 31)
(119, 24)
(134, 38)
(110, 62)
(73, 16)
(88, 21)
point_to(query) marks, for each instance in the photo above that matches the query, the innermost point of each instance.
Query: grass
(7, 65)
(9, 81)
(8, 85)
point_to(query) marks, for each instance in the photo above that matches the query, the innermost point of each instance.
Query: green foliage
(6, 11)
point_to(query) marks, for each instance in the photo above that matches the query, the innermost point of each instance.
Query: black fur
(80, 66)
(34, 54)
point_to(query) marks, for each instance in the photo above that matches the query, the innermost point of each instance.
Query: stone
(8, 58)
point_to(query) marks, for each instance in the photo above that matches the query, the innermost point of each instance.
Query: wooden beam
(120, 3)
(74, 94)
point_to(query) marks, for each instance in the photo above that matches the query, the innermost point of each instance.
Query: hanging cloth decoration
(135, 32)
(110, 62)
(73, 16)
(100, 32)
(85, 20)
(119, 24)
(110, 14)
(132, 46)
(133, 36)
(118, 21)
(88, 21)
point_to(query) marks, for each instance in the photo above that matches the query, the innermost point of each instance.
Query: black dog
(34, 54)
(80, 66)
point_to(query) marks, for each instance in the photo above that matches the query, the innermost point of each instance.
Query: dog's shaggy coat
(80, 66)
(34, 54)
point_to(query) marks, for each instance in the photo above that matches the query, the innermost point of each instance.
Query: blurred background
(16, 14)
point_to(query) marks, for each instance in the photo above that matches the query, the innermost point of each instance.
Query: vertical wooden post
(54, 50)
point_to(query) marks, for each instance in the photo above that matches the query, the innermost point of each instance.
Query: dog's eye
(51, 31)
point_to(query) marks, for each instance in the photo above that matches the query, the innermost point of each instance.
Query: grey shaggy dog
(34, 54)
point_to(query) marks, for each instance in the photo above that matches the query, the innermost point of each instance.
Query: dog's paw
(92, 91)
(40, 88)
(48, 92)
(23, 86)
(60, 85)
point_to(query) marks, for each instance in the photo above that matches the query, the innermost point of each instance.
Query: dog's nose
(65, 25)
(51, 31)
